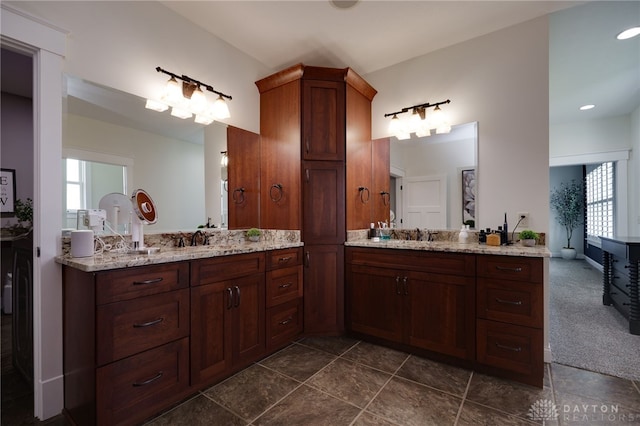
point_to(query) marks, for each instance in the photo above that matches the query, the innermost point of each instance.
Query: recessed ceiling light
(629, 33)
(344, 4)
(586, 107)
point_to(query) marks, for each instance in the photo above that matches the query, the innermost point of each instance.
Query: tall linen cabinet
(310, 118)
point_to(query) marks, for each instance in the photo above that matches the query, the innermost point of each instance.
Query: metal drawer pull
(237, 296)
(278, 194)
(151, 281)
(230, 298)
(509, 348)
(285, 285)
(147, 324)
(509, 302)
(502, 268)
(284, 259)
(287, 321)
(398, 286)
(406, 286)
(148, 381)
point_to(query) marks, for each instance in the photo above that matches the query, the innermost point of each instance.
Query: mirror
(176, 161)
(438, 176)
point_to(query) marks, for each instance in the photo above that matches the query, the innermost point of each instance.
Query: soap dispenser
(463, 236)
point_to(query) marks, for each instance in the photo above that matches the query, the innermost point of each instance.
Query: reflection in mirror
(176, 161)
(427, 181)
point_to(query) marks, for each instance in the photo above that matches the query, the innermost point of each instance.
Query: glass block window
(600, 198)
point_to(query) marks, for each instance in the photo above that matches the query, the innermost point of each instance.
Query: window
(600, 199)
(75, 177)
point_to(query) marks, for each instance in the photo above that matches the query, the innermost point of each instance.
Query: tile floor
(341, 381)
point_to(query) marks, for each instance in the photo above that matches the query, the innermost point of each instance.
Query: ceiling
(587, 64)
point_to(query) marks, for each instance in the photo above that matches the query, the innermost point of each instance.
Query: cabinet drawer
(510, 301)
(510, 347)
(126, 328)
(135, 388)
(284, 285)
(510, 268)
(621, 300)
(284, 258)
(284, 323)
(129, 283)
(408, 260)
(216, 269)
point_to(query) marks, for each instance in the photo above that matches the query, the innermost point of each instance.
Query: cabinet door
(211, 315)
(359, 191)
(374, 301)
(380, 178)
(243, 184)
(280, 119)
(323, 216)
(441, 313)
(323, 289)
(323, 126)
(248, 324)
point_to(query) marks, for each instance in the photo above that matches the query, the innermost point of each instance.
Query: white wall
(592, 136)
(171, 171)
(119, 45)
(633, 182)
(501, 81)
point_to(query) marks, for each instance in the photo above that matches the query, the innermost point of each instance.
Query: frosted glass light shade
(173, 91)
(198, 101)
(220, 108)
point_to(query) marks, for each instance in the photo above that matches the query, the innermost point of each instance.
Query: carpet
(583, 332)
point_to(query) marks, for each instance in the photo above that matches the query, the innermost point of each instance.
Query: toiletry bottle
(463, 236)
(505, 231)
(482, 237)
(372, 230)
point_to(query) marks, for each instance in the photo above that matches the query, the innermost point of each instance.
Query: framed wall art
(7, 192)
(469, 196)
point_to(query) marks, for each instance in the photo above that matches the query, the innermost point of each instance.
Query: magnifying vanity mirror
(434, 180)
(111, 143)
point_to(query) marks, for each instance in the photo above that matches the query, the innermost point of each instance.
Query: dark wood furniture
(126, 342)
(480, 311)
(621, 283)
(315, 125)
(139, 339)
(243, 179)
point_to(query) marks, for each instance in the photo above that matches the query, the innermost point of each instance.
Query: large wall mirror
(434, 179)
(119, 146)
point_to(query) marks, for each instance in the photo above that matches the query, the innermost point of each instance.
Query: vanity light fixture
(189, 99)
(224, 160)
(419, 122)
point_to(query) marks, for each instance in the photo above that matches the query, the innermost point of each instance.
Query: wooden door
(323, 289)
(380, 180)
(211, 317)
(248, 326)
(374, 300)
(323, 125)
(323, 206)
(243, 184)
(441, 313)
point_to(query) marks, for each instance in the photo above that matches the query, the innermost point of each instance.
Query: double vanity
(142, 332)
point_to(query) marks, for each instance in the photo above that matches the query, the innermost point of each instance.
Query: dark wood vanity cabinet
(227, 315)
(486, 310)
(284, 291)
(126, 342)
(323, 115)
(423, 300)
(510, 322)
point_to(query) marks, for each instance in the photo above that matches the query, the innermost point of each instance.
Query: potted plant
(24, 212)
(254, 234)
(568, 203)
(528, 237)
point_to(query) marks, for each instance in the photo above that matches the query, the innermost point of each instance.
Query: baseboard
(593, 263)
(50, 400)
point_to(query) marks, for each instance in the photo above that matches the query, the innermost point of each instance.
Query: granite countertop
(454, 247)
(111, 260)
